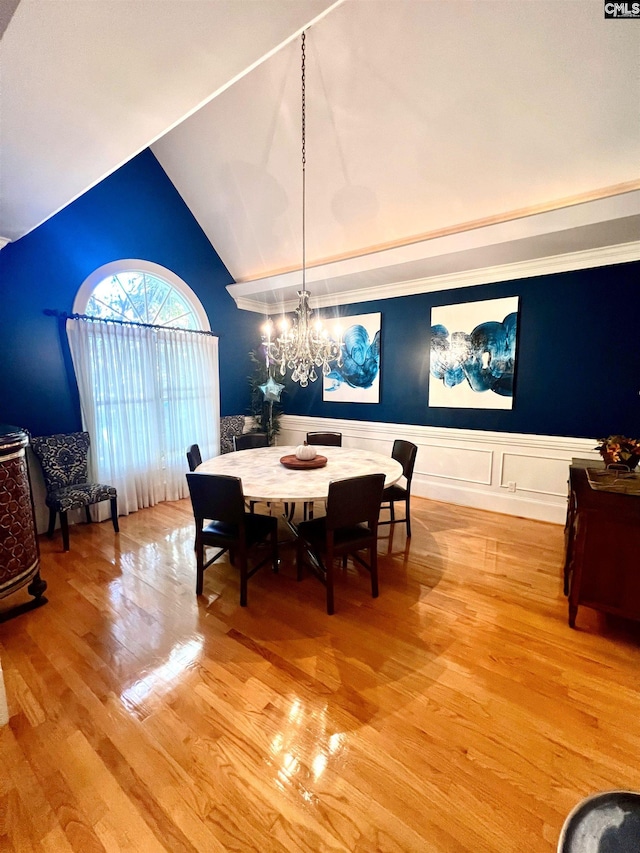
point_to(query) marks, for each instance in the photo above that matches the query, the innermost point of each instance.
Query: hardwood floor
(456, 712)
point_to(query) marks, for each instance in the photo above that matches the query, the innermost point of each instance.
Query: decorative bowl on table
(292, 461)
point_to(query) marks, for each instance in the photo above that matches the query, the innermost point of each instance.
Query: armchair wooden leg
(52, 522)
(87, 514)
(64, 525)
(114, 514)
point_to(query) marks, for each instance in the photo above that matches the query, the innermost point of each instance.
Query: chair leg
(373, 567)
(87, 514)
(330, 607)
(114, 514)
(392, 512)
(52, 522)
(244, 577)
(64, 525)
(329, 577)
(199, 564)
(408, 517)
(274, 551)
(298, 560)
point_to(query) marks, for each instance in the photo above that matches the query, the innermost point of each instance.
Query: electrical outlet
(511, 485)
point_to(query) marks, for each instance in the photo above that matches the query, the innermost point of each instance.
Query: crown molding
(587, 259)
(4, 241)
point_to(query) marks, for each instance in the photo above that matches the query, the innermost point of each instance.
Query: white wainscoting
(524, 475)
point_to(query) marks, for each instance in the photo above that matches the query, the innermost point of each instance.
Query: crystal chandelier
(302, 345)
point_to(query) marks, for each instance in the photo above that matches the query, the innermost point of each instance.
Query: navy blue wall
(578, 361)
(578, 358)
(134, 213)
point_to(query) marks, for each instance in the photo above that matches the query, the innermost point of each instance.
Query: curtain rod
(63, 315)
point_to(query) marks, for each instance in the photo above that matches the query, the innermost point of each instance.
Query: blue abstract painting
(473, 354)
(355, 377)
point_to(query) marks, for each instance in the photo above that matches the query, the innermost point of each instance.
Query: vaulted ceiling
(442, 137)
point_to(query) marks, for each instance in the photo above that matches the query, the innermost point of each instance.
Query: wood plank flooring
(456, 712)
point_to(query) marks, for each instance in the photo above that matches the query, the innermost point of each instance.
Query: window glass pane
(142, 298)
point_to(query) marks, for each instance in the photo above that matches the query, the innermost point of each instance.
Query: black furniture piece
(608, 822)
(601, 545)
(329, 439)
(231, 528)
(19, 552)
(194, 457)
(403, 452)
(250, 440)
(63, 458)
(350, 526)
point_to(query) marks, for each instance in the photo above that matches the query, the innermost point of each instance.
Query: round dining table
(265, 478)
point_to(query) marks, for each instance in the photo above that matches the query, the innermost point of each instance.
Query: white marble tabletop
(264, 478)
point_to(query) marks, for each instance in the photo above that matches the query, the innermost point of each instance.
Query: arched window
(148, 382)
(140, 292)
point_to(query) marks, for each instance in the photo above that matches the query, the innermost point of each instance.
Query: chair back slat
(328, 439)
(405, 452)
(63, 458)
(249, 440)
(354, 500)
(194, 457)
(216, 497)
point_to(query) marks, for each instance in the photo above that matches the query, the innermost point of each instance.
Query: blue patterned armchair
(63, 459)
(230, 425)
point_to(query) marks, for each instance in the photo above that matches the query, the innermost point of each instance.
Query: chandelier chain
(302, 346)
(304, 171)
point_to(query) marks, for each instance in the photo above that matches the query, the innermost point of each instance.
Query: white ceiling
(442, 135)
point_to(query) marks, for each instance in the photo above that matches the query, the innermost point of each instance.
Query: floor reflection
(163, 677)
(303, 751)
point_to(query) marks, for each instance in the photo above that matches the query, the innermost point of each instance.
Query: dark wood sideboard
(602, 548)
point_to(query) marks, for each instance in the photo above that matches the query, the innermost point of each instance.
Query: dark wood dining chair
(222, 522)
(403, 452)
(194, 457)
(64, 461)
(249, 440)
(350, 526)
(329, 439)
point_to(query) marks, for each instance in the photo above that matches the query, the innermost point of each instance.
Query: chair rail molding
(510, 473)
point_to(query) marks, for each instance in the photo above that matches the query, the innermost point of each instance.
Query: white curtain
(145, 395)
